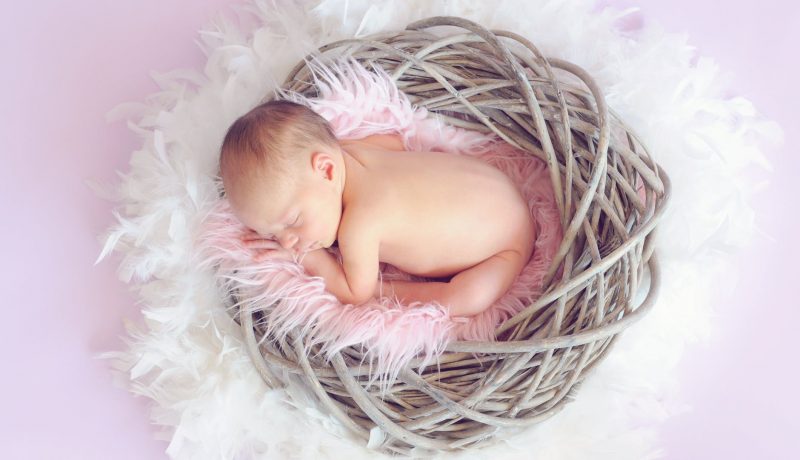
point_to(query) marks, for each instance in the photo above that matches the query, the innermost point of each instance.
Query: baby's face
(301, 218)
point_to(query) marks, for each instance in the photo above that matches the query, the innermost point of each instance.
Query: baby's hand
(265, 248)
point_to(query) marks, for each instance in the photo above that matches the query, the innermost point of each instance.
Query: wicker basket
(498, 81)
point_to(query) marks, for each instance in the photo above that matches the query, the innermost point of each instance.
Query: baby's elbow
(358, 299)
(360, 295)
(346, 296)
(361, 292)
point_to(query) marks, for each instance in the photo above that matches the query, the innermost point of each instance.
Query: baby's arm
(354, 281)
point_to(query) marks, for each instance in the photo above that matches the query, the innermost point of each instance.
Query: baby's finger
(263, 255)
(250, 234)
(258, 239)
(256, 244)
(272, 254)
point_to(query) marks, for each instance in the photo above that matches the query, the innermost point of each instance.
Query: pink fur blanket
(359, 103)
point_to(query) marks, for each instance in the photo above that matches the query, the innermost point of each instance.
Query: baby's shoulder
(392, 141)
(361, 220)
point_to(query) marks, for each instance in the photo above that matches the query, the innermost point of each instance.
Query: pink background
(65, 64)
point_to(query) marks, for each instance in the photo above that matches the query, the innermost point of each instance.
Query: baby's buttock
(444, 213)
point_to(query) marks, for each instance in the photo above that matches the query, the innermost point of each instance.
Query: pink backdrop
(66, 64)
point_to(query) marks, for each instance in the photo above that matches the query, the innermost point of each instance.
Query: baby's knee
(478, 288)
(464, 298)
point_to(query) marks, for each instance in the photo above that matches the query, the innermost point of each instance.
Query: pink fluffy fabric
(359, 103)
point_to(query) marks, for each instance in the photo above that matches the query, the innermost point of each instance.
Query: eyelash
(293, 224)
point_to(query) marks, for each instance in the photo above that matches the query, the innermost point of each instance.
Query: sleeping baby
(453, 219)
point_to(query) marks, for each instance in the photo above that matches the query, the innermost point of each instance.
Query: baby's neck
(351, 174)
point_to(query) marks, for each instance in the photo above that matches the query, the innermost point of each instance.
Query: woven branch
(498, 82)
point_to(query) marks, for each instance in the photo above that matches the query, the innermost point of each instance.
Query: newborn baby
(451, 218)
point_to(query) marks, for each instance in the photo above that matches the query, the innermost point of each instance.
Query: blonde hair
(267, 142)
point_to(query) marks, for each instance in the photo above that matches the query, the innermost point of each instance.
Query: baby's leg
(414, 291)
(478, 288)
(467, 293)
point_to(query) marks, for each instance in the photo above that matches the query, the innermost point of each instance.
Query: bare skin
(437, 215)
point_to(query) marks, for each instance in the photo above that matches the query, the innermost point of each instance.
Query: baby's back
(440, 213)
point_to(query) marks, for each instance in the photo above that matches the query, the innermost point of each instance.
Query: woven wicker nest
(498, 81)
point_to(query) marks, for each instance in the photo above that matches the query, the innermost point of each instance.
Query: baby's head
(283, 174)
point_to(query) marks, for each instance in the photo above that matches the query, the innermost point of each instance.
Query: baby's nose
(289, 241)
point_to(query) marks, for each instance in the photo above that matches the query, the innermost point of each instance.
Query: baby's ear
(323, 161)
